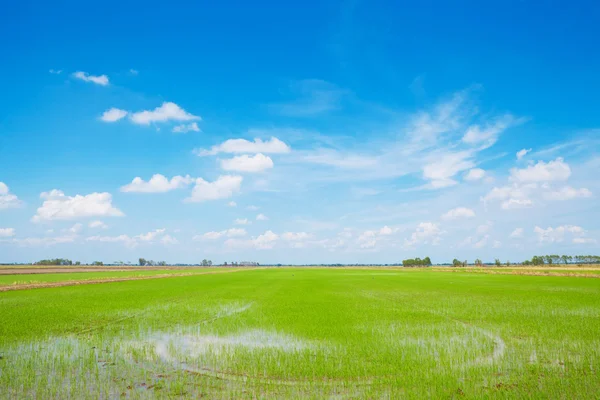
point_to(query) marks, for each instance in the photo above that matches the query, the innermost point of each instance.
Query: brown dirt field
(108, 280)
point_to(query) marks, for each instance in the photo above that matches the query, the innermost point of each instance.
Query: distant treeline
(556, 259)
(417, 262)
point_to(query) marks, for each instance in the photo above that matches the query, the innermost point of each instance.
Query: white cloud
(150, 236)
(511, 197)
(567, 193)
(552, 235)
(252, 208)
(232, 204)
(335, 159)
(512, 204)
(459, 212)
(168, 239)
(474, 174)
(265, 241)
(7, 232)
(271, 146)
(126, 240)
(157, 184)
(257, 163)
(75, 229)
(296, 236)
(556, 170)
(143, 238)
(484, 228)
(225, 186)
(517, 233)
(45, 241)
(113, 115)
(481, 242)
(426, 233)
(84, 76)
(232, 232)
(55, 71)
(488, 135)
(185, 128)
(441, 171)
(97, 224)
(57, 206)
(168, 111)
(242, 221)
(581, 240)
(133, 71)
(7, 199)
(262, 217)
(522, 153)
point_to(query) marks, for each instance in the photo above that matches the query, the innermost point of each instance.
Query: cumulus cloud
(459, 212)
(185, 128)
(58, 206)
(567, 193)
(271, 146)
(168, 111)
(224, 187)
(232, 204)
(7, 199)
(262, 217)
(522, 153)
(257, 163)
(511, 196)
(517, 233)
(551, 235)
(426, 233)
(84, 76)
(7, 232)
(475, 174)
(97, 224)
(113, 115)
(265, 241)
(157, 184)
(242, 221)
(125, 239)
(556, 170)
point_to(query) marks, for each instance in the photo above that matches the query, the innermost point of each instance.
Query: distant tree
(142, 261)
(209, 263)
(565, 259)
(97, 263)
(498, 262)
(225, 263)
(426, 262)
(77, 263)
(508, 263)
(456, 263)
(478, 262)
(161, 263)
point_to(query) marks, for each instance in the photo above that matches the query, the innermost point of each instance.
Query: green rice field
(304, 333)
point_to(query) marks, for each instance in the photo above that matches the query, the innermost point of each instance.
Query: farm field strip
(305, 333)
(22, 282)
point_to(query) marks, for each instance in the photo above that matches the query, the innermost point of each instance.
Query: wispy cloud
(313, 97)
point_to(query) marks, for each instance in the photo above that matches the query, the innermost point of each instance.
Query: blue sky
(320, 132)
